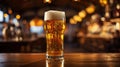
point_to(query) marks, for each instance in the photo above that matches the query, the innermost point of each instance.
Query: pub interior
(92, 26)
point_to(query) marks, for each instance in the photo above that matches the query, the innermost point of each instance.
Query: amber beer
(54, 28)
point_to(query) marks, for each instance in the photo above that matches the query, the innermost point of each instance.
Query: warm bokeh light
(76, 0)
(82, 14)
(95, 17)
(10, 11)
(39, 23)
(117, 13)
(36, 22)
(47, 1)
(18, 16)
(77, 18)
(5, 15)
(32, 23)
(103, 2)
(90, 9)
(106, 26)
(117, 26)
(111, 1)
(107, 14)
(115, 20)
(102, 18)
(118, 6)
(93, 28)
(72, 21)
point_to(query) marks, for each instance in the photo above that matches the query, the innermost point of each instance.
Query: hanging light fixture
(47, 1)
(76, 0)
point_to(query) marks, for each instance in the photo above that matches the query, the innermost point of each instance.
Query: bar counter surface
(70, 60)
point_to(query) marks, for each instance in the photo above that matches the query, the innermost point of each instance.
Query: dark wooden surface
(70, 60)
(26, 45)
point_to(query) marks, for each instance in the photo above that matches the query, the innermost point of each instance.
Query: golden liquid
(54, 30)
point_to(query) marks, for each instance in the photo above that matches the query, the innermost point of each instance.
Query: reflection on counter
(55, 63)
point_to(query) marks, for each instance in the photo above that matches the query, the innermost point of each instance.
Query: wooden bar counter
(70, 60)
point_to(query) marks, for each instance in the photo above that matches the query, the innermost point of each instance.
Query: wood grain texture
(70, 60)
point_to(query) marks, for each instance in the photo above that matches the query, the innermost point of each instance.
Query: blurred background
(91, 25)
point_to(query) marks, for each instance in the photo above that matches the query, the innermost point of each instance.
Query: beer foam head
(54, 15)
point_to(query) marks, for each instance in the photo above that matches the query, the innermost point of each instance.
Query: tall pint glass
(54, 26)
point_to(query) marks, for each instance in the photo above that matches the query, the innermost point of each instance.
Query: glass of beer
(54, 27)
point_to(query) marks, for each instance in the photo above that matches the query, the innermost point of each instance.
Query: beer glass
(54, 27)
